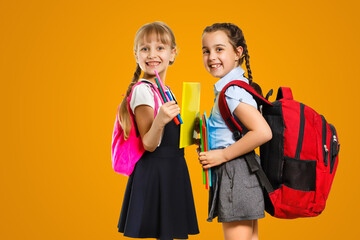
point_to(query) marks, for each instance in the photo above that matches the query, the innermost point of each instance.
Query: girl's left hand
(212, 158)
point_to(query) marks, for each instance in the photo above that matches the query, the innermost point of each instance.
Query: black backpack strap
(173, 96)
(255, 167)
(264, 182)
(270, 93)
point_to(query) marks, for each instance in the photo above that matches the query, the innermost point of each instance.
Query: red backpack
(298, 164)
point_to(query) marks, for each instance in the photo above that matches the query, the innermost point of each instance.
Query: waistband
(166, 151)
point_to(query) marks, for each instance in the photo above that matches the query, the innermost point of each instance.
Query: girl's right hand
(167, 112)
(212, 158)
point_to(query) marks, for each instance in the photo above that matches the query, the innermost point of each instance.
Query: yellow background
(65, 64)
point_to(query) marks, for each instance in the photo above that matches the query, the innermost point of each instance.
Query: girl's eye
(144, 49)
(219, 49)
(205, 51)
(161, 48)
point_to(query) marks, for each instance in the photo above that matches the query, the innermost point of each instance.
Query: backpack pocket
(299, 174)
(299, 184)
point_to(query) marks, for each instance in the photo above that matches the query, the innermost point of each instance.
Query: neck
(151, 77)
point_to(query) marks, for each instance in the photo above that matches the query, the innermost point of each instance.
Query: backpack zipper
(325, 149)
(334, 147)
(301, 131)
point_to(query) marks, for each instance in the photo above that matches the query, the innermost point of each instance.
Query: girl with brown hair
(236, 197)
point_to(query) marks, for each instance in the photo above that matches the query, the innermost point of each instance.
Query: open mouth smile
(215, 66)
(153, 64)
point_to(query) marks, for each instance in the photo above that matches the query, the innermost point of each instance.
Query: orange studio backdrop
(64, 66)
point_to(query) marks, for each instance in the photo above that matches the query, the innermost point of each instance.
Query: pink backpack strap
(153, 89)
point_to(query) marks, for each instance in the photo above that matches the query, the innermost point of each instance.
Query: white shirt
(143, 95)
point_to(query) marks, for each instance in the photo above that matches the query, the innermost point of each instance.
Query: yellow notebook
(190, 107)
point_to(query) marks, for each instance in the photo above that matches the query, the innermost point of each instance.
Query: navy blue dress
(158, 201)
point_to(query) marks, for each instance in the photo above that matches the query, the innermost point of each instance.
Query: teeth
(153, 64)
(215, 65)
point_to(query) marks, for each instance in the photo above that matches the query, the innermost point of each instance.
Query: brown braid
(134, 80)
(123, 112)
(237, 39)
(247, 63)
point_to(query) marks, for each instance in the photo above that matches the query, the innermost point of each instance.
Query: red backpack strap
(230, 121)
(225, 111)
(285, 93)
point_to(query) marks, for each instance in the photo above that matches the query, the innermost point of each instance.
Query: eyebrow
(148, 43)
(216, 45)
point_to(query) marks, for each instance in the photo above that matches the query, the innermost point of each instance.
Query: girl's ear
(173, 54)
(239, 52)
(136, 57)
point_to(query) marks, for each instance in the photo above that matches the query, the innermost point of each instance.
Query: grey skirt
(235, 193)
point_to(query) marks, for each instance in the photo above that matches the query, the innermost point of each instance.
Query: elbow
(267, 134)
(150, 144)
(149, 148)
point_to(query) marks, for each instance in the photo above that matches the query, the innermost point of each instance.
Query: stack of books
(204, 136)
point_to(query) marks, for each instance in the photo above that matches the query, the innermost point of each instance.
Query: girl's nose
(212, 55)
(152, 53)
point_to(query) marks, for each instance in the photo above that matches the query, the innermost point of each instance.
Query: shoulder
(142, 95)
(236, 94)
(234, 91)
(142, 88)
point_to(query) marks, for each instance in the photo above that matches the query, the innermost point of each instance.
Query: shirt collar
(235, 74)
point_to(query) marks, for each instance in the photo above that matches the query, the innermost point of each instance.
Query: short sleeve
(234, 95)
(142, 95)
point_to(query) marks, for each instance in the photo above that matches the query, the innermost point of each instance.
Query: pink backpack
(126, 153)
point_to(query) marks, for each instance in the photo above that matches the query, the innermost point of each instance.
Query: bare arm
(151, 129)
(258, 134)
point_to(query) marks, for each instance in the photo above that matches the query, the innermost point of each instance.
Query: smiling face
(219, 56)
(152, 54)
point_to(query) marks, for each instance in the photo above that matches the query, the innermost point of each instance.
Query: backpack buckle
(236, 135)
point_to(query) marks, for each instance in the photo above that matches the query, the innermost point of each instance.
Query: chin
(217, 75)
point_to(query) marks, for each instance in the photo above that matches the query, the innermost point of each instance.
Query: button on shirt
(220, 135)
